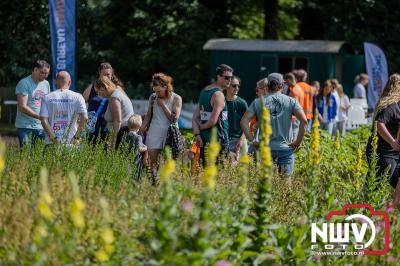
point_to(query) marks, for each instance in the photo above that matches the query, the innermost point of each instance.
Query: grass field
(81, 206)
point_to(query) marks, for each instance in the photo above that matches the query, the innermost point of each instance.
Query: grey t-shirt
(281, 108)
(126, 109)
(359, 91)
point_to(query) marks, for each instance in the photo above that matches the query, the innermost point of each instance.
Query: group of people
(62, 115)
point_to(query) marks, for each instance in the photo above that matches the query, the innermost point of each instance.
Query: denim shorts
(284, 159)
(28, 134)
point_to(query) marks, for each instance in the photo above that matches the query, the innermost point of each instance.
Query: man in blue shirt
(30, 91)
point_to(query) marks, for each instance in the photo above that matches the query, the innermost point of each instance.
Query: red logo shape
(343, 212)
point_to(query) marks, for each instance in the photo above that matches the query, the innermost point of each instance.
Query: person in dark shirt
(387, 118)
(236, 109)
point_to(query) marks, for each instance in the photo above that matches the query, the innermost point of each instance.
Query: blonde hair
(106, 84)
(134, 122)
(390, 94)
(340, 91)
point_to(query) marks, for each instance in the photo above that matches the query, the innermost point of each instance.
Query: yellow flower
(2, 152)
(41, 231)
(358, 165)
(266, 132)
(315, 153)
(43, 205)
(76, 208)
(209, 176)
(167, 169)
(245, 159)
(107, 236)
(101, 255)
(77, 205)
(337, 141)
(109, 249)
(2, 163)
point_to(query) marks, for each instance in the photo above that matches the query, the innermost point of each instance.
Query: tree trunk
(271, 8)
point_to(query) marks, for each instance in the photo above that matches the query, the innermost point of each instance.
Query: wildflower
(101, 255)
(167, 169)
(391, 259)
(389, 207)
(357, 166)
(187, 205)
(45, 199)
(2, 159)
(109, 248)
(245, 159)
(40, 232)
(314, 153)
(77, 205)
(223, 263)
(266, 130)
(107, 235)
(210, 171)
(337, 141)
(76, 212)
(43, 205)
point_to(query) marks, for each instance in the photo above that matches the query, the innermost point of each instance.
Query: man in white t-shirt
(359, 91)
(61, 112)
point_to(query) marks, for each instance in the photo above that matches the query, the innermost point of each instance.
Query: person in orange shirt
(308, 107)
(296, 92)
(194, 157)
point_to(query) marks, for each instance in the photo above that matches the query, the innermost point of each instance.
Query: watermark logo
(360, 232)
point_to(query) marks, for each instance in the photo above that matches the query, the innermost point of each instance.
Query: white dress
(157, 133)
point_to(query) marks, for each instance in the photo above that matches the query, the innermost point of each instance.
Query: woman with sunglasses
(164, 106)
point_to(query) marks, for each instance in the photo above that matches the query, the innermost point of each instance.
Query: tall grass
(81, 206)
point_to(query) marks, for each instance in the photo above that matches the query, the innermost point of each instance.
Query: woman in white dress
(164, 106)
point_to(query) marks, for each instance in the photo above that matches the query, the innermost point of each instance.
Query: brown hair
(163, 80)
(106, 84)
(320, 95)
(290, 76)
(335, 83)
(114, 77)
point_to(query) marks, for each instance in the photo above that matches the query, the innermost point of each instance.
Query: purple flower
(187, 205)
(223, 263)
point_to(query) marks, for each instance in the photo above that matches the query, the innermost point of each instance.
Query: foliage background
(140, 37)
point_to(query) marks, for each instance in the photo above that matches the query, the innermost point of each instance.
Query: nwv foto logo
(352, 232)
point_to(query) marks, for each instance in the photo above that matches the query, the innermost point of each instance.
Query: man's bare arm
(22, 103)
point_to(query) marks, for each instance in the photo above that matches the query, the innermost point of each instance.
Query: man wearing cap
(281, 108)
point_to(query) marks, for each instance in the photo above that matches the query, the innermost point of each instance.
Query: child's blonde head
(134, 122)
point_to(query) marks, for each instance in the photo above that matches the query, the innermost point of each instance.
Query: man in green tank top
(212, 111)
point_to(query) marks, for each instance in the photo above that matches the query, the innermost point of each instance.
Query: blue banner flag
(377, 71)
(63, 38)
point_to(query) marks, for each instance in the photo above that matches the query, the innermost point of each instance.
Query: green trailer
(255, 59)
